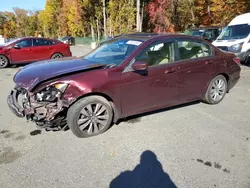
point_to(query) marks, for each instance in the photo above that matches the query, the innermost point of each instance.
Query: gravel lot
(195, 145)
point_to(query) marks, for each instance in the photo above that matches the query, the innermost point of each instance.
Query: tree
(2, 20)
(121, 16)
(158, 16)
(48, 17)
(75, 21)
(21, 21)
(104, 18)
(9, 24)
(138, 17)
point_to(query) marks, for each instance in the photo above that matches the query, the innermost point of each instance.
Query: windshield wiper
(111, 65)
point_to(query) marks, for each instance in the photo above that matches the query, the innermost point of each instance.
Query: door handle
(170, 71)
(28, 49)
(208, 62)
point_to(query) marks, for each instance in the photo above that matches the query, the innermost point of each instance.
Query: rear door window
(191, 49)
(41, 42)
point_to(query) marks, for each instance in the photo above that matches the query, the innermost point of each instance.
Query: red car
(27, 50)
(128, 75)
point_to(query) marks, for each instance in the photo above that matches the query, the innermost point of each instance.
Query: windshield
(10, 42)
(113, 52)
(197, 32)
(235, 32)
(194, 32)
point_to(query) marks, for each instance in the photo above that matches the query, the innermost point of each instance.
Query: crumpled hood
(29, 76)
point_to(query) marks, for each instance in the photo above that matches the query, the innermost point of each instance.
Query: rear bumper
(68, 54)
(233, 82)
(241, 56)
(13, 104)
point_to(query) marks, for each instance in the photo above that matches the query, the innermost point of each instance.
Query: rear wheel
(216, 90)
(90, 116)
(56, 56)
(4, 62)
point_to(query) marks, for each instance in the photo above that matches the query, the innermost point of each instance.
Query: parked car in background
(208, 33)
(128, 75)
(31, 49)
(235, 38)
(68, 40)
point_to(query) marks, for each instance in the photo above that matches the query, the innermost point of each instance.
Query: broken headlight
(51, 93)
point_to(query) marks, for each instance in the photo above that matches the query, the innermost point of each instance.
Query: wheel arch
(9, 60)
(223, 74)
(117, 113)
(53, 53)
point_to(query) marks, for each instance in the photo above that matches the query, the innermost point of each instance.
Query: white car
(236, 38)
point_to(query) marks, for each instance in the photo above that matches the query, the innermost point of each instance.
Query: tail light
(236, 60)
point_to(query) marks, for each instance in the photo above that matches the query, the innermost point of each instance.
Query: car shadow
(136, 118)
(18, 65)
(246, 65)
(148, 173)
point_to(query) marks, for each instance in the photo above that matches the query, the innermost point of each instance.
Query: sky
(7, 5)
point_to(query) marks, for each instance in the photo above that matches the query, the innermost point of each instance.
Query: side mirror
(16, 46)
(140, 66)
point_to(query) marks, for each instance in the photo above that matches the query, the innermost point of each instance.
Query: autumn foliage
(86, 17)
(158, 16)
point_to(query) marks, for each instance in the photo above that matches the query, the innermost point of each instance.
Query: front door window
(158, 54)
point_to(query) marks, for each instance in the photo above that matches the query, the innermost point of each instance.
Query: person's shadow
(147, 174)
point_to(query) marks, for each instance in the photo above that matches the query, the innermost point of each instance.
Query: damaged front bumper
(13, 104)
(46, 114)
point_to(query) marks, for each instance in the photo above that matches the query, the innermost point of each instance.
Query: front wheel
(90, 116)
(216, 90)
(4, 62)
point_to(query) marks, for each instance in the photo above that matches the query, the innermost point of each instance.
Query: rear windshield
(235, 32)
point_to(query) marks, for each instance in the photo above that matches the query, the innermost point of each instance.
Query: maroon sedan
(128, 75)
(26, 50)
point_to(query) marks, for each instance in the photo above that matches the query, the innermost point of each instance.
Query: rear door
(196, 65)
(154, 88)
(42, 49)
(24, 54)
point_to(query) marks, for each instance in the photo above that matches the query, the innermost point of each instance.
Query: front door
(154, 88)
(24, 54)
(196, 67)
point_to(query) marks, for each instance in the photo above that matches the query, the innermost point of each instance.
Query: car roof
(21, 38)
(155, 36)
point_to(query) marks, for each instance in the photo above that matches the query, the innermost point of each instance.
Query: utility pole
(138, 20)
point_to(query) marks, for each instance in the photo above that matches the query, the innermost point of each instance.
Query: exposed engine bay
(46, 108)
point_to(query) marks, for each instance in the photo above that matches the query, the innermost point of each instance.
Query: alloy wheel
(3, 61)
(56, 56)
(93, 118)
(218, 89)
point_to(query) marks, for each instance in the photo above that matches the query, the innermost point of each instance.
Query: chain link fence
(83, 41)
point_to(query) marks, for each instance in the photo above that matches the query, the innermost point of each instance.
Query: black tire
(247, 59)
(4, 62)
(209, 96)
(56, 56)
(75, 115)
